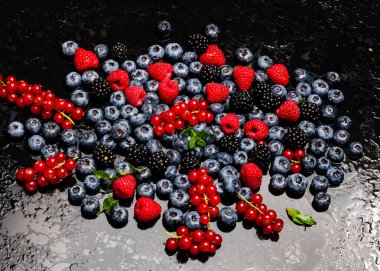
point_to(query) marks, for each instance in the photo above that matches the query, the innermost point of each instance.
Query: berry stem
(172, 235)
(208, 213)
(66, 116)
(2, 83)
(295, 161)
(249, 203)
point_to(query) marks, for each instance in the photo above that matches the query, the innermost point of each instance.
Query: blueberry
(156, 52)
(85, 166)
(220, 190)
(180, 70)
(246, 193)
(335, 176)
(108, 141)
(226, 72)
(69, 47)
(143, 61)
(195, 67)
(335, 96)
(103, 127)
(33, 125)
(240, 158)
(318, 146)
(320, 87)
(123, 167)
(181, 144)
(151, 86)
(261, 76)
(344, 122)
(244, 55)
(181, 83)
(247, 144)
(276, 133)
(308, 127)
(111, 113)
(87, 140)
(90, 207)
(278, 184)
(101, 51)
(140, 75)
(256, 113)
(80, 98)
(228, 172)
(264, 62)
(16, 129)
(137, 120)
(191, 220)
(231, 185)
(127, 111)
(199, 127)
(212, 32)
(182, 182)
(181, 98)
(36, 143)
(179, 199)
(164, 188)
(216, 132)
(126, 143)
(227, 217)
(173, 51)
(341, 137)
(89, 76)
(242, 119)
(224, 159)
(70, 137)
(308, 162)
(174, 157)
(323, 164)
(332, 78)
(76, 194)
(144, 133)
(314, 98)
(117, 99)
(216, 108)
(213, 167)
(292, 95)
(276, 148)
(197, 152)
(137, 83)
(91, 184)
(300, 75)
(118, 216)
(49, 150)
(145, 190)
(271, 119)
(73, 80)
(94, 115)
(145, 174)
(231, 86)
(325, 132)
(129, 66)
(154, 145)
(110, 65)
(193, 86)
(279, 90)
(164, 28)
(172, 218)
(296, 184)
(321, 201)
(355, 150)
(319, 184)
(335, 154)
(171, 172)
(328, 113)
(50, 130)
(303, 89)
(158, 109)
(281, 165)
(73, 152)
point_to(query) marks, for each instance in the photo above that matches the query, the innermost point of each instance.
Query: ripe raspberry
(278, 74)
(146, 209)
(85, 60)
(256, 129)
(216, 93)
(213, 56)
(243, 77)
(230, 123)
(251, 175)
(160, 71)
(118, 80)
(167, 91)
(135, 95)
(289, 111)
(124, 187)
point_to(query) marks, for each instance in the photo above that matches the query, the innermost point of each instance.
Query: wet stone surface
(44, 232)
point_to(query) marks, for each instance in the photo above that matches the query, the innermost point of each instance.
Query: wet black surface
(43, 232)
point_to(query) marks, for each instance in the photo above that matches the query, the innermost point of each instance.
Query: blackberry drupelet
(104, 157)
(189, 162)
(269, 101)
(259, 89)
(295, 138)
(158, 162)
(100, 89)
(137, 155)
(209, 73)
(119, 51)
(310, 111)
(261, 156)
(229, 143)
(198, 43)
(241, 102)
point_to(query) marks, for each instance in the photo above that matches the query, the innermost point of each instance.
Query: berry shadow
(62, 186)
(225, 228)
(182, 257)
(116, 225)
(275, 192)
(293, 195)
(146, 225)
(318, 208)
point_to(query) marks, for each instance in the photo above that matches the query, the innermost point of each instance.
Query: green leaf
(110, 184)
(125, 173)
(292, 212)
(202, 135)
(250, 65)
(201, 143)
(300, 218)
(306, 219)
(101, 174)
(186, 132)
(192, 143)
(108, 203)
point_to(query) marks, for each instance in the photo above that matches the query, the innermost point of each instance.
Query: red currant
(155, 120)
(250, 214)
(20, 102)
(185, 114)
(48, 105)
(256, 199)
(3, 93)
(210, 235)
(193, 119)
(203, 104)
(203, 208)
(61, 173)
(266, 219)
(262, 207)
(39, 166)
(184, 243)
(10, 79)
(194, 249)
(69, 107)
(278, 225)
(29, 174)
(288, 154)
(218, 240)
(204, 246)
(36, 110)
(46, 114)
(193, 105)
(193, 191)
(272, 213)
(298, 154)
(31, 186)
(12, 97)
(212, 249)
(38, 100)
(41, 181)
(48, 95)
(20, 174)
(214, 200)
(214, 212)
(211, 189)
(260, 142)
(23, 86)
(258, 220)
(210, 117)
(51, 161)
(171, 244)
(179, 124)
(268, 229)
(49, 174)
(201, 189)
(59, 104)
(159, 130)
(70, 164)
(11, 87)
(168, 116)
(202, 115)
(61, 156)
(295, 168)
(58, 118)
(241, 207)
(36, 89)
(77, 113)
(177, 109)
(182, 231)
(195, 200)
(169, 128)
(66, 124)
(28, 99)
(193, 176)
(202, 170)
(204, 219)
(198, 235)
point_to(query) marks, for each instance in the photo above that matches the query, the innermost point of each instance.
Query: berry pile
(180, 124)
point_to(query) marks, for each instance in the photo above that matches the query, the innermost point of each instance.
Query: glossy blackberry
(241, 102)
(259, 89)
(100, 89)
(269, 101)
(104, 157)
(189, 162)
(310, 111)
(295, 138)
(197, 43)
(209, 73)
(158, 162)
(119, 51)
(229, 143)
(137, 155)
(261, 156)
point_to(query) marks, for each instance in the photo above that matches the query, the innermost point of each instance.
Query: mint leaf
(110, 184)
(192, 143)
(292, 212)
(108, 203)
(101, 174)
(186, 132)
(306, 219)
(201, 143)
(300, 218)
(125, 173)
(202, 135)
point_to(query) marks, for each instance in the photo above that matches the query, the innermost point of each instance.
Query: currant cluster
(257, 212)
(41, 102)
(51, 171)
(195, 242)
(295, 158)
(175, 118)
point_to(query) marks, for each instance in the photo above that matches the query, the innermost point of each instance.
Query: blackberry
(104, 157)
(189, 162)
(261, 156)
(197, 43)
(209, 73)
(119, 51)
(158, 162)
(229, 143)
(310, 111)
(260, 89)
(265, 99)
(100, 89)
(295, 138)
(137, 154)
(241, 102)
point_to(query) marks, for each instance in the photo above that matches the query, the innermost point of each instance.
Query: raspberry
(289, 111)
(230, 123)
(167, 91)
(251, 175)
(278, 74)
(160, 71)
(85, 60)
(216, 93)
(243, 77)
(124, 187)
(118, 80)
(256, 129)
(147, 209)
(135, 95)
(213, 56)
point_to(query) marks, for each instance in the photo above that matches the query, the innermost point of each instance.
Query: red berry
(3, 93)
(202, 115)
(51, 161)
(193, 105)
(262, 207)
(61, 157)
(195, 200)
(12, 97)
(41, 181)
(70, 164)
(48, 105)
(69, 107)
(204, 219)
(49, 174)
(31, 186)
(194, 249)
(184, 243)
(20, 102)
(77, 113)
(193, 191)
(210, 117)
(66, 124)
(211, 190)
(11, 87)
(203, 179)
(48, 95)
(36, 89)
(201, 189)
(214, 212)
(169, 128)
(298, 154)
(28, 99)
(185, 114)
(193, 119)
(230, 123)
(61, 173)
(214, 200)
(198, 235)
(250, 214)
(46, 114)
(203, 208)
(159, 130)
(155, 120)
(168, 116)
(256, 198)
(10, 79)
(218, 240)
(258, 220)
(203, 104)
(193, 176)
(268, 229)
(20, 174)
(256, 129)
(295, 168)
(23, 86)
(179, 124)
(204, 246)
(272, 213)
(289, 111)
(202, 170)
(39, 166)
(241, 207)
(36, 110)
(171, 244)
(266, 219)
(210, 235)
(29, 174)
(177, 109)
(288, 154)
(212, 249)
(182, 231)
(58, 118)
(38, 100)
(278, 225)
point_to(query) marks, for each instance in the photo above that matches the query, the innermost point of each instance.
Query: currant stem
(66, 116)
(208, 213)
(2, 83)
(295, 161)
(249, 203)
(173, 235)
